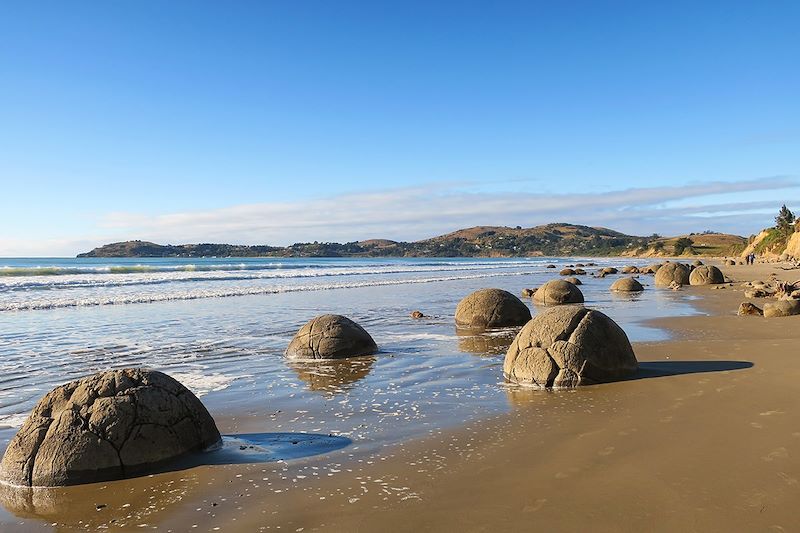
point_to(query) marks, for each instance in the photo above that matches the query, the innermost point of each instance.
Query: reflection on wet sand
(144, 500)
(333, 375)
(486, 343)
(149, 499)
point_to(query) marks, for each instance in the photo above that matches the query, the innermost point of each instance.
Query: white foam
(14, 420)
(201, 384)
(46, 301)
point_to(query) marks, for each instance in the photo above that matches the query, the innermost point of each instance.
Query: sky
(278, 122)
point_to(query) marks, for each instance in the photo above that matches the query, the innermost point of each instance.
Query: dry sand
(706, 439)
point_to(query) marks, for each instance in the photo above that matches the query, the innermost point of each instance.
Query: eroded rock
(330, 337)
(557, 292)
(706, 275)
(567, 347)
(672, 272)
(491, 308)
(746, 308)
(107, 426)
(626, 285)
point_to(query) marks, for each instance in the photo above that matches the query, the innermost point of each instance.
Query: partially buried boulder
(608, 270)
(630, 270)
(567, 347)
(491, 308)
(107, 426)
(650, 269)
(626, 285)
(330, 337)
(706, 275)
(747, 308)
(567, 272)
(557, 292)
(782, 308)
(672, 272)
(573, 280)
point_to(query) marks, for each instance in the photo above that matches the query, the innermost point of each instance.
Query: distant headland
(557, 239)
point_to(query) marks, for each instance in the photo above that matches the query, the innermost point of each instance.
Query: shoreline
(539, 461)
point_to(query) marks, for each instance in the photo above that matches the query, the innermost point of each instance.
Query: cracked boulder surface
(107, 426)
(558, 292)
(330, 337)
(565, 347)
(491, 308)
(626, 285)
(672, 272)
(706, 275)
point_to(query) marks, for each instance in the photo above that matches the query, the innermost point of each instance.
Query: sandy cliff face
(752, 246)
(793, 246)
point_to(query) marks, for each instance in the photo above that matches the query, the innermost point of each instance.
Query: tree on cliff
(785, 221)
(682, 244)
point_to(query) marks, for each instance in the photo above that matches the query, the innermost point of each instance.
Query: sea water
(221, 325)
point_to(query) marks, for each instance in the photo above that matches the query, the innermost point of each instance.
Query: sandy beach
(703, 439)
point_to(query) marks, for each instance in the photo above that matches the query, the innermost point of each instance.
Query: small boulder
(630, 270)
(746, 308)
(330, 337)
(569, 346)
(417, 314)
(580, 272)
(527, 293)
(782, 308)
(651, 269)
(491, 308)
(579, 265)
(626, 285)
(672, 272)
(550, 266)
(697, 263)
(573, 280)
(608, 270)
(557, 292)
(706, 275)
(107, 426)
(567, 272)
(755, 293)
(729, 262)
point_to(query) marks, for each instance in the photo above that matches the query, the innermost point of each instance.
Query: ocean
(220, 326)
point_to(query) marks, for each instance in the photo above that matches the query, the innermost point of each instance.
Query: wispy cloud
(414, 213)
(741, 207)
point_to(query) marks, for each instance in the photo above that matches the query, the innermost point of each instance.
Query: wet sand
(705, 439)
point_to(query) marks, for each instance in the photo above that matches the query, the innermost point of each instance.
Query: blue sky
(275, 122)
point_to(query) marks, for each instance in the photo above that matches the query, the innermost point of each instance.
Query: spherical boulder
(567, 272)
(782, 308)
(580, 272)
(330, 337)
(626, 285)
(706, 275)
(573, 280)
(566, 347)
(491, 308)
(672, 272)
(107, 426)
(557, 292)
(630, 270)
(608, 270)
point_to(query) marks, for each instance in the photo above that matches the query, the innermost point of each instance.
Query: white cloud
(417, 213)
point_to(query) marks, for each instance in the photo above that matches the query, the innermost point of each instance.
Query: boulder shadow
(659, 369)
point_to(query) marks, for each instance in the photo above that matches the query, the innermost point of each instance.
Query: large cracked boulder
(491, 308)
(566, 347)
(672, 273)
(107, 426)
(330, 337)
(706, 275)
(626, 285)
(558, 292)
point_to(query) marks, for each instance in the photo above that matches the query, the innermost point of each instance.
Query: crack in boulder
(91, 421)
